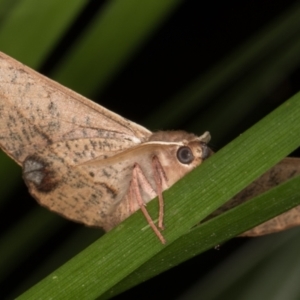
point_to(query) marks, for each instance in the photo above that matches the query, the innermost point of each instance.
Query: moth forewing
(36, 112)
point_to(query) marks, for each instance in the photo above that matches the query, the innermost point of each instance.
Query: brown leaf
(284, 170)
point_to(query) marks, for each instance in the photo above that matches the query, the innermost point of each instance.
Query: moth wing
(87, 192)
(36, 112)
(284, 170)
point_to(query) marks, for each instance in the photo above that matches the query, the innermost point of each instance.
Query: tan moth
(92, 166)
(83, 161)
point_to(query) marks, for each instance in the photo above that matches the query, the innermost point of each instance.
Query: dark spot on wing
(38, 171)
(109, 190)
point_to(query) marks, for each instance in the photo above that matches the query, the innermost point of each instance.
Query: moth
(93, 166)
(83, 161)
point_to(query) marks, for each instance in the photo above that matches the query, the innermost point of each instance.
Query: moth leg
(129, 202)
(160, 178)
(139, 177)
(143, 183)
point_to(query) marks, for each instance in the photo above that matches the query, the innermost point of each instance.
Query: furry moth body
(83, 161)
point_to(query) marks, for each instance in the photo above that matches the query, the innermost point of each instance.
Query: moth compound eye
(185, 155)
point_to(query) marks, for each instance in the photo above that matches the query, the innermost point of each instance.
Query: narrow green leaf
(29, 29)
(114, 37)
(252, 89)
(279, 34)
(216, 231)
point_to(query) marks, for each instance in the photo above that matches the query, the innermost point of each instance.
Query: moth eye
(185, 155)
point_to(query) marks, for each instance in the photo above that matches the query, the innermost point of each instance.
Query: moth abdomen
(38, 171)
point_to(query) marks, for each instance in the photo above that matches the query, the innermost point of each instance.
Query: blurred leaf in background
(172, 64)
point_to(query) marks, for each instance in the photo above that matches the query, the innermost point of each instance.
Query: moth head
(181, 152)
(193, 151)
